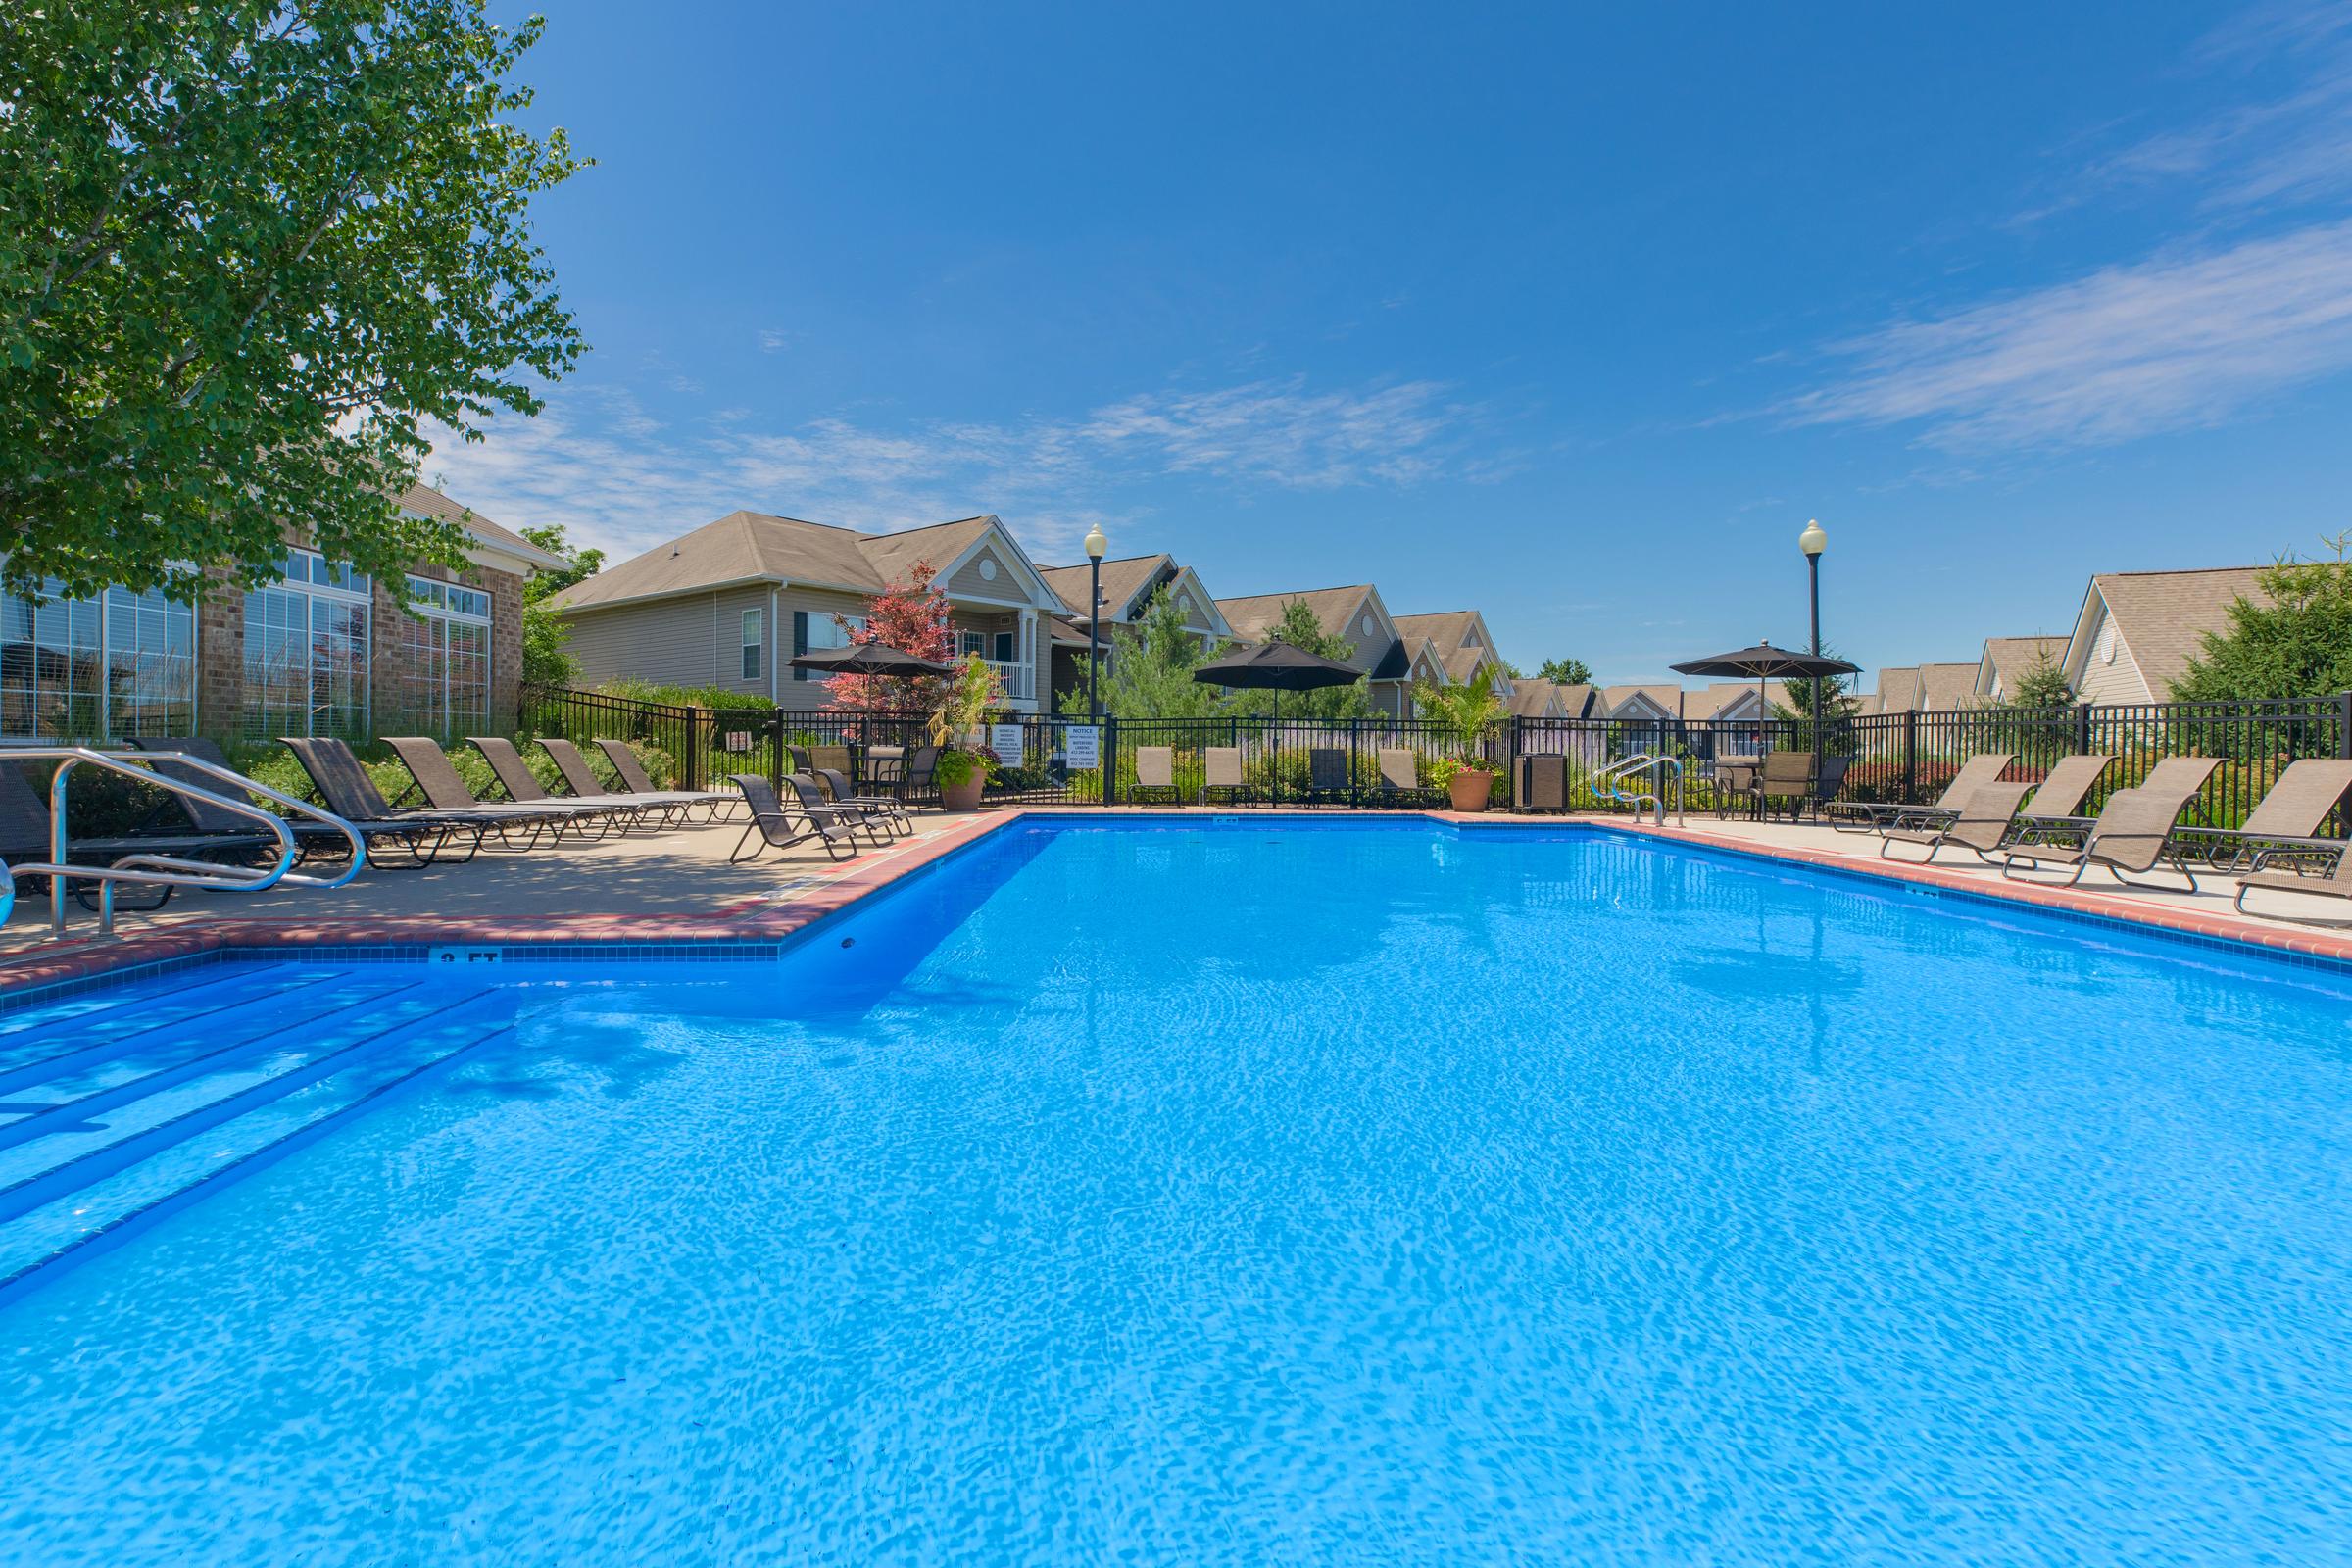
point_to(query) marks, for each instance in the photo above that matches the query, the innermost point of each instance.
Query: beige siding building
(731, 604)
(2137, 630)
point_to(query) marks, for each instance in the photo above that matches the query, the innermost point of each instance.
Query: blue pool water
(1193, 1195)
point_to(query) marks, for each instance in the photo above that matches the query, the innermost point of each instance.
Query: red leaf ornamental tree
(911, 615)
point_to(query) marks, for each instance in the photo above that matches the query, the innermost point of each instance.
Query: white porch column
(1026, 641)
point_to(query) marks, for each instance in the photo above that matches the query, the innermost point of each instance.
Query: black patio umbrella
(869, 658)
(1277, 668)
(1766, 663)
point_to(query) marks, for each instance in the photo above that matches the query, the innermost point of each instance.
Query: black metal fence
(1906, 757)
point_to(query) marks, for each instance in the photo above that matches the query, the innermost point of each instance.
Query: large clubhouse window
(814, 629)
(116, 666)
(305, 650)
(444, 683)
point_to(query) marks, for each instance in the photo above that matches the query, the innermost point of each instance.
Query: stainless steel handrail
(1615, 774)
(165, 871)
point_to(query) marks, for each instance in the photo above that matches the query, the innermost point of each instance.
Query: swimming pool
(1176, 1192)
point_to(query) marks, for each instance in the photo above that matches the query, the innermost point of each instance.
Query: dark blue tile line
(58, 990)
(2107, 924)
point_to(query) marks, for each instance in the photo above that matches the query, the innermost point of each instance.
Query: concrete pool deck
(677, 887)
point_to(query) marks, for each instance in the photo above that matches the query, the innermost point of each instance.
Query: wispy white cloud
(2177, 342)
(772, 341)
(613, 476)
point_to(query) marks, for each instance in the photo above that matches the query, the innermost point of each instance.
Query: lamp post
(1096, 544)
(1813, 542)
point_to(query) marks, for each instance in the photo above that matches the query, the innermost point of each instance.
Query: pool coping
(765, 921)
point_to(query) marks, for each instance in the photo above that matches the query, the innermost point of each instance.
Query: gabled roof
(1945, 687)
(1125, 583)
(2005, 658)
(1541, 698)
(423, 501)
(2162, 616)
(1255, 616)
(1576, 701)
(758, 547)
(1449, 630)
(1899, 689)
(1713, 700)
(1666, 699)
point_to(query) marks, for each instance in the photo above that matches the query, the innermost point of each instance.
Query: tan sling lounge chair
(1862, 816)
(2130, 833)
(2337, 884)
(1987, 816)
(1221, 769)
(2284, 824)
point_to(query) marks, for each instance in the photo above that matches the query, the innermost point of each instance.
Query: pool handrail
(166, 870)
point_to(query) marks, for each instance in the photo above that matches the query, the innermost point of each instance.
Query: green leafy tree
(1149, 671)
(1566, 673)
(252, 252)
(1839, 706)
(2298, 644)
(547, 658)
(1300, 629)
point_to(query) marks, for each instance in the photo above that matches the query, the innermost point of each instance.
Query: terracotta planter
(1469, 789)
(964, 797)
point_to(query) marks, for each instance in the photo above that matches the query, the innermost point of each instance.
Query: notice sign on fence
(1081, 747)
(1006, 741)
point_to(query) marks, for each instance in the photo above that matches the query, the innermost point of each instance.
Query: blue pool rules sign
(1081, 747)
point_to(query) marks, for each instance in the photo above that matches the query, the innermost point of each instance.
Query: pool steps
(104, 1122)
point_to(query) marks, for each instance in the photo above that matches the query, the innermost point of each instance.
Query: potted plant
(1465, 712)
(963, 769)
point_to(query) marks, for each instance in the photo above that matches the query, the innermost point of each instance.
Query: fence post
(2081, 728)
(2344, 724)
(692, 762)
(1108, 741)
(1910, 757)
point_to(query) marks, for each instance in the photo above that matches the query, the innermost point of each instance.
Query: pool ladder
(1611, 783)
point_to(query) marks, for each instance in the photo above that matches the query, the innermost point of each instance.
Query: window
(754, 634)
(2104, 648)
(996, 645)
(814, 629)
(305, 650)
(102, 669)
(444, 672)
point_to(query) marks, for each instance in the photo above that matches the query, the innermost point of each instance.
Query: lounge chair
(1327, 772)
(1864, 817)
(631, 770)
(310, 838)
(421, 838)
(888, 809)
(24, 840)
(671, 805)
(519, 825)
(2337, 884)
(522, 786)
(1221, 769)
(820, 810)
(1399, 772)
(2132, 830)
(2284, 824)
(775, 825)
(1543, 783)
(1984, 822)
(2055, 812)
(1156, 771)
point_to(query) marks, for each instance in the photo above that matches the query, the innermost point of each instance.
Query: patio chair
(1400, 774)
(774, 825)
(1156, 771)
(2055, 812)
(522, 786)
(813, 800)
(919, 777)
(1984, 822)
(1864, 817)
(1543, 783)
(630, 768)
(2337, 884)
(443, 789)
(888, 809)
(2285, 826)
(1327, 772)
(25, 838)
(1785, 776)
(1221, 770)
(421, 838)
(310, 838)
(2132, 830)
(674, 806)
(885, 767)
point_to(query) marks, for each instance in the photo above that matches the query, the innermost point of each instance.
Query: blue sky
(1572, 314)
